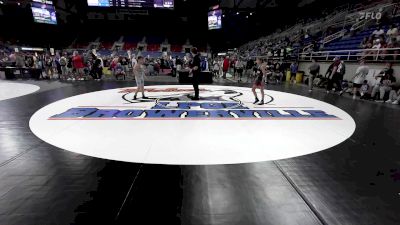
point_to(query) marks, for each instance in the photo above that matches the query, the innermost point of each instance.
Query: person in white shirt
(358, 79)
(239, 68)
(392, 32)
(216, 69)
(378, 32)
(133, 61)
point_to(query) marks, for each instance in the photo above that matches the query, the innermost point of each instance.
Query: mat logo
(175, 104)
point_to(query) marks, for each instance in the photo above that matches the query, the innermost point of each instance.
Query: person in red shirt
(78, 65)
(225, 66)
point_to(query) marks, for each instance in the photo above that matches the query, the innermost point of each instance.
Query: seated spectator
(364, 90)
(392, 54)
(385, 84)
(394, 97)
(378, 43)
(119, 71)
(392, 32)
(364, 43)
(378, 32)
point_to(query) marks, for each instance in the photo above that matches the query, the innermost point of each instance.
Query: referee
(195, 70)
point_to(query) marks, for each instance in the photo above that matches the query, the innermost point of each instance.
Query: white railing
(359, 24)
(308, 48)
(352, 55)
(334, 36)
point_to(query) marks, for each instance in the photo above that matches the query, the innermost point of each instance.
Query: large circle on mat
(13, 90)
(223, 127)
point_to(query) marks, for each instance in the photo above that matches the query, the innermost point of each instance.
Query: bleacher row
(352, 43)
(153, 45)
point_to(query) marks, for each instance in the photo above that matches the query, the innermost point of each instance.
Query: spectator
(63, 64)
(19, 60)
(392, 32)
(378, 32)
(239, 65)
(225, 67)
(364, 90)
(293, 71)
(384, 86)
(249, 68)
(367, 43)
(277, 72)
(119, 71)
(314, 70)
(77, 63)
(378, 43)
(394, 97)
(393, 43)
(49, 67)
(335, 74)
(97, 67)
(216, 69)
(124, 64)
(358, 79)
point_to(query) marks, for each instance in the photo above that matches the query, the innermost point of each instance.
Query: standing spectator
(314, 70)
(294, 67)
(77, 63)
(239, 68)
(359, 78)
(225, 67)
(49, 67)
(97, 67)
(63, 64)
(249, 68)
(232, 67)
(19, 60)
(216, 69)
(335, 74)
(277, 72)
(57, 66)
(69, 66)
(124, 64)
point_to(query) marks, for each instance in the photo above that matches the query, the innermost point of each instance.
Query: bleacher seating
(352, 42)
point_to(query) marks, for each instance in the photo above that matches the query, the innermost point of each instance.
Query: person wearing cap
(195, 70)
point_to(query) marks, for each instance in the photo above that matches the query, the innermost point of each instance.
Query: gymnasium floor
(355, 182)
